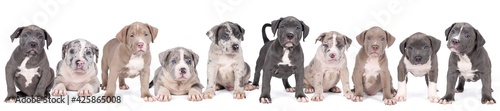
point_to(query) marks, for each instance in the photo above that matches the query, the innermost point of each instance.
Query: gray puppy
(28, 67)
(177, 75)
(77, 70)
(468, 60)
(420, 58)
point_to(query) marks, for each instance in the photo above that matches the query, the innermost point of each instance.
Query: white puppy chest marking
(135, 64)
(418, 70)
(458, 36)
(27, 73)
(285, 60)
(465, 67)
(372, 67)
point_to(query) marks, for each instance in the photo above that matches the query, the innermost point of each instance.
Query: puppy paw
(239, 95)
(357, 98)
(250, 87)
(148, 98)
(10, 99)
(104, 86)
(309, 90)
(265, 99)
(400, 98)
(84, 92)
(59, 90)
(433, 98)
(195, 96)
(348, 95)
(388, 101)
(292, 89)
(124, 87)
(208, 94)
(317, 97)
(446, 100)
(335, 89)
(459, 90)
(302, 98)
(165, 97)
(488, 100)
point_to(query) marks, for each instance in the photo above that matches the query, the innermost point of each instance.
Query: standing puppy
(328, 66)
(226, 68)
(419, 58)
(468, 60)
(371, 73)
(128, 56)
(77, 70)
(177, 75)
(28, 68)
(282, 57)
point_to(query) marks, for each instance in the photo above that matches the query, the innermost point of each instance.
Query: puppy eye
(426, 47)
(452, 31)
(383, 39)
(226, 36)
(467, 36)
(410, 48)
(88, 53)
(238, 35)
(325, 45)
(72, 51)
(297, 28)
(146, 34)
(369, 38)
(173, 61)
(131, 35)
(40, 37)
(282, 26)
(188, 61)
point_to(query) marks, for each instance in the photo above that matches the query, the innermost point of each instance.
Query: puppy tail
(151, 84)
(264, 35)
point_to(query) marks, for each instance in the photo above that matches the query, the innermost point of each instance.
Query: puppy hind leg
(104, 74)
(122, 84)
(287, 86)
(460, 85)
(486, 90)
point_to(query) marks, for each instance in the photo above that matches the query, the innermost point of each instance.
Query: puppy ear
(320, 37)
(153, 31)
(163, 56)
(436, 44)
(213, 34)
(348, 42)
(95, 50)
(65, 48)
(274, 25)
(122, 35)
(361, 37)
(390, 39)
(16, 33)
(447, 31)
(402, 45)
(305, 30)
(479, 39)
(241, 30)
(48, 39)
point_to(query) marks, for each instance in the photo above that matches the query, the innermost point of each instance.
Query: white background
(185, 22)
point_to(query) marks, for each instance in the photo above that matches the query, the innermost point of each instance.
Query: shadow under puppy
(28, 68)
(77, 71)
(328, 66)
(177, 75)
(419, 58)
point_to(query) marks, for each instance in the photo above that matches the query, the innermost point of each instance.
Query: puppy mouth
(289, 43)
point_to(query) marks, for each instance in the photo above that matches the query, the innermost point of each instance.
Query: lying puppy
(371, 73)
(128, 56)
(226, 68)
(77, 71)
(283, 53)
(28, 68)
(419, 58)
(177, 75)
(328, 66)
(468, 60)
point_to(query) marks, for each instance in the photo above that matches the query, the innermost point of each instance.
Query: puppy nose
(33, 44)
(236, 46)
(79, 62)
(140, 44)
(289, 35)
(375, 47)
(454, 41)
(183, 70)
(418, 58)
(332, 55)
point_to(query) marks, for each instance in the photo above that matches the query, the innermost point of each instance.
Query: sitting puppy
(77, 71)
(419, 58)
(328, 66)
(28, 68)
(468, 60)
(371, 72)
(177, 75)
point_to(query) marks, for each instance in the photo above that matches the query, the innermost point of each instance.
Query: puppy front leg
(318, 86)
(299, 84)
(385, 75)
(211, 80)
(90, 88)
(344, 77)
(194, 93)
(265, 96)
(111, 87)
(145, 94)
(60, 88)
(486, 89)
(449, 96)
(46, 80)
(432, 95)
(10, 76)
(357, 78)
(239, 92)
(162, 93)
(402, 77)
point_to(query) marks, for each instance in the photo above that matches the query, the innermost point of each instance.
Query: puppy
(468, 60)
(226, 68)
(128, 56)
(282, 54)
(328, 66)
(419, 58)
(28, 68)
(77, 71)
(371, 73)
(177, 75)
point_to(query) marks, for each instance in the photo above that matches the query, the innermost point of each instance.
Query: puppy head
(463, 38)
(79, 55)
(375, 40)
(419, 47)
(227, 36)
(32, 39)
(289, 31)
(137, 36)
(333, 45)
(180, 63)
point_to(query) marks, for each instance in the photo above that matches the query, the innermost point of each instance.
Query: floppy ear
(361, 37)
(95, 50)
(275, 24)
(163, 56)
(153, 31)
(390, 39)
(213, 34)
(479, 39)
(402, 45)
(447, 31)
(320, 37)
(48, 39)
(436, 44)
(305, 30)
(194, 57)
(348, 42)
(122, 35)
(65, 49)
(16, 33)
(241, 30)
